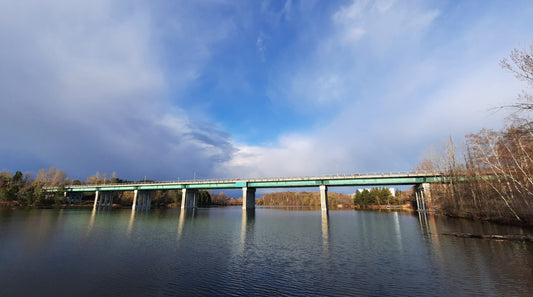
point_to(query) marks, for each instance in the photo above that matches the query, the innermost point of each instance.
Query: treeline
(23, 189)
(304, 199)
(20, 189)
(379, 196)
(492, 179)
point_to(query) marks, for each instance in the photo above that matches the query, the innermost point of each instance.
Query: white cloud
(84, 89)
(87, 85)
(386, 90)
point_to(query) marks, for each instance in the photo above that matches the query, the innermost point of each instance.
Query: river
(276, 252)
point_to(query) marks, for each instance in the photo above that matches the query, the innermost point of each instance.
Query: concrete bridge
(143, 191)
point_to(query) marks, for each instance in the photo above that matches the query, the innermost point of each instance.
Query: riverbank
(514, 237)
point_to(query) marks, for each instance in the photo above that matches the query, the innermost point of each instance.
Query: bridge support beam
(96, 199)
(73, 197)
(423, 197)
(189, 198)
(248, 198)
(103, 199)
(324, 197)
(142, 200)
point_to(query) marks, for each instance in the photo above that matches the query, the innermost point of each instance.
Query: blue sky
(170, 89)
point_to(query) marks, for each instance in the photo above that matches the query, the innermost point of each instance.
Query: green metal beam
(376, 180)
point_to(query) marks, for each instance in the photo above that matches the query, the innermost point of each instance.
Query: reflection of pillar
(130, 224)
(247, 223)
(248, 198)
(181, 221)
(324, 197)
(189, 198)
(185, 213)
(325, 231)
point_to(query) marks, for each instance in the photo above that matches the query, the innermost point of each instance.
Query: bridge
(143, 191)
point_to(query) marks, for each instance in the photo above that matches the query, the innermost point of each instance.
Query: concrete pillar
(427, 195)
(135, 195)
(417, 197)
(324, 197)
(248, 198)
(146, 199)
(141, 200)
(101, 199)
(96, 198)
(189, 198)
(422, 194)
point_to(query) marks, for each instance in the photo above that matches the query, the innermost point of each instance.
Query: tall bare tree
(520, 63)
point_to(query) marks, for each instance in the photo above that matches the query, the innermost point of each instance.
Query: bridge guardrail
(232, 180)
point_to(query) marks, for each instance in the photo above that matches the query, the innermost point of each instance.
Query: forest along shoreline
(504, 198)
(21, 191)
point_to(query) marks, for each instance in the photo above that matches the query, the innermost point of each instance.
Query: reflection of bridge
(143, 191)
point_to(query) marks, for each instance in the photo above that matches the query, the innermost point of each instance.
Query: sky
(169, 90)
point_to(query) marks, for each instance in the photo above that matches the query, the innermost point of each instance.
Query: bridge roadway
(142, 191)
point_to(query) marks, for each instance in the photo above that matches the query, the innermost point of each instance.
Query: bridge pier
(189, 198)
(70, 197)
(324, 197)
(142, 200)
(248, 198)
(423, 197)
(73, 197)
(96, 198)
(103, 199)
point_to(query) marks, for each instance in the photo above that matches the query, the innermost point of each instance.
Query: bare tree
(520, 63)
(51, 177)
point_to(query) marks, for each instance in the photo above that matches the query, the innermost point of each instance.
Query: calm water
(225, 252)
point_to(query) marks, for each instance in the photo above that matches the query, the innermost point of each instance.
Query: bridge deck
(345, 180)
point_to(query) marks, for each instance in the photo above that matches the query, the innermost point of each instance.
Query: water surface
(228, 252)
